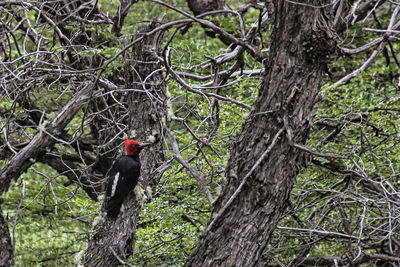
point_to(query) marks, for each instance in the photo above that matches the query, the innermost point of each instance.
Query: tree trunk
(6, 248)
(265, 161)
(113, 241)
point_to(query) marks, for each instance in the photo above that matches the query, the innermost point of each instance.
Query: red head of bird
(133, 147)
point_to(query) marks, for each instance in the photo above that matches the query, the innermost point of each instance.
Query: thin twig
(328, 233)
(119, 259)
(382, 43)
(195, 173)
(191, 89)
(318, 154)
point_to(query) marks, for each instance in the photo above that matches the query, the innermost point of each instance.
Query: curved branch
(195, 173)
(26, 156)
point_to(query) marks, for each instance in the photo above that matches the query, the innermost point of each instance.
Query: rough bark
(201, 6)
(113, 241)
(264, 161)
(6, 249)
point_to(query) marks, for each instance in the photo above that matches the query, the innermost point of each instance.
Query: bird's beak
(143, 145)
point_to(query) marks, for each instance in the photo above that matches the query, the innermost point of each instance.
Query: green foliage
(170, 224)
(53, 220)
(366, 109)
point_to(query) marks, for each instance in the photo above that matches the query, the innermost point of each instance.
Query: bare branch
(22, 160)
(195, 173)
(191, 89)
(253, 50)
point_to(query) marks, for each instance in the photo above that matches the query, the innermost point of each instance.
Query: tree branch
(26, 156)
(195, 173)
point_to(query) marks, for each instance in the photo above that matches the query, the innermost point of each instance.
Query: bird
(123, 177)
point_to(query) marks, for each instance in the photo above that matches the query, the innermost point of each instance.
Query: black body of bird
(123, 178)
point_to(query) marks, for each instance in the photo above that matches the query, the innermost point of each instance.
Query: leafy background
(55, 219)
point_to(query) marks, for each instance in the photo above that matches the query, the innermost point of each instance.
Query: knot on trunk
(320, 46)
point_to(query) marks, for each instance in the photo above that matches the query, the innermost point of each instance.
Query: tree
(113, 241)
(78, 77)
(258, 186)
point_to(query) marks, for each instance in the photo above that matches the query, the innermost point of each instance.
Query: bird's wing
(113, 178)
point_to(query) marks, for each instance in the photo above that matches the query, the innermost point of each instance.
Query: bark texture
(6, 249)
(201, 6)
(113, 241)
(265, 161)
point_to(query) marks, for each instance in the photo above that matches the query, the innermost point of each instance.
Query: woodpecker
(123, 178)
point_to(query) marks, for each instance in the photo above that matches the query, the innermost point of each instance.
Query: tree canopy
(275, 131)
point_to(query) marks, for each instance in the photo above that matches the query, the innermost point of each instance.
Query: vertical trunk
(6, 249)
(264, 161)
(112, 242)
